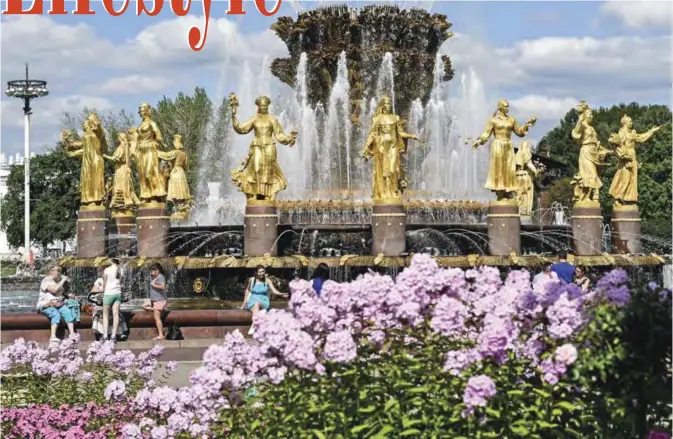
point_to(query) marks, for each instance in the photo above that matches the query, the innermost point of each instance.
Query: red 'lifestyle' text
(196, 37)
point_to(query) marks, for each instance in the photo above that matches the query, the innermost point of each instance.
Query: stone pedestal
(126, 225)
(389, 226)
(626, 230)
(544, 216)
(587, 224)
(152, 230)
(260, 229)
(92, 228)
(504, 228)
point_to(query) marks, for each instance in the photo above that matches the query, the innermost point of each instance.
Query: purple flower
(131, 431)
(340, 347)
(448, 317)
(458, 361)
(552, 370)
(564, 317)
(479, 390)
(171, 366)
(614, 288)
(566, 354)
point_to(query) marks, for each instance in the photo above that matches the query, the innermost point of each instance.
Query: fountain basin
(194, 324)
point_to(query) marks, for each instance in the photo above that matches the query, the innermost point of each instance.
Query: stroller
(96, 310)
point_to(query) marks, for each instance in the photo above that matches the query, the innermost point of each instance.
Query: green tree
(54, 190)
(654, 178)
(190, 117)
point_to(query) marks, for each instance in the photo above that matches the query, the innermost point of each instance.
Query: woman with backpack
(257, 294)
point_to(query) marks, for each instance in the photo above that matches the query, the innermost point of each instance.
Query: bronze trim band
(261, 202)
(503, 215)
(262, 215)
(92, 220)
(91, 207)
(153, 218)
(587, 217)
(388, 214)
(625, 208)
(626, 220)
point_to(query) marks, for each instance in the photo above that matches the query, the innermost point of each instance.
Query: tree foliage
(55, 196)
(654, 178)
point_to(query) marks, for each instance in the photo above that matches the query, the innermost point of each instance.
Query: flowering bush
(434, 353)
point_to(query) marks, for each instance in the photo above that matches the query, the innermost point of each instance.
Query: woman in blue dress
(257, 293)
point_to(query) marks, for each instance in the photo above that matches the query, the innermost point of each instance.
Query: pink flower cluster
(90, 421)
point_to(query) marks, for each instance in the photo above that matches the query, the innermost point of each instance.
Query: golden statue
(525, 173)
(124, 198)
(259, 177)
(624, 187)
(146, 142)
(586, 182)
(89, 148)
(178, 187)
(502, 170)
(386, 143)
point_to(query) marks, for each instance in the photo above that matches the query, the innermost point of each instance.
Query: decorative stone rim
(582, 204)
(261, 215)
(92, 220)
(149, 218)
(626, 220)
(153, 205)
(261, 202)
(503, 215)
(503, 203)
(388, 214)
(587, 217)
(626, 208)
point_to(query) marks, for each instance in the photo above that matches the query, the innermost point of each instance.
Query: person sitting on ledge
(257, 294)
(51, 305)
(158, 299)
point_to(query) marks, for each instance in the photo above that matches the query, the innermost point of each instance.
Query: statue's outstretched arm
(644, 137)
(242, 129)
(522, 130)
(483, 138)
(280, 134)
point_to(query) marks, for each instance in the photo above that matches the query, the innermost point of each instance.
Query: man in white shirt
(545, 275)
(51, 305)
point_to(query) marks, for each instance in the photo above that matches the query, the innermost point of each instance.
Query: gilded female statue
(178, 187)
(124, 197)
(502, 170)
(89, 148)
(525, 173)
(587, 182)
(147, 142)
(624, 187)
(259, 177)
(385, 144)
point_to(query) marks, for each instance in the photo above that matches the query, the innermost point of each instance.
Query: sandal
(159, 338)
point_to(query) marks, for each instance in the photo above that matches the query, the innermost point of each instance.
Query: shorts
(111, 299)
(160, 305)
(55, 314)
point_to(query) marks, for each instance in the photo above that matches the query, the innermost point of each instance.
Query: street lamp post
(26, 89)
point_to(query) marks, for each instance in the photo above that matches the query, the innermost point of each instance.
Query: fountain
(344, 64)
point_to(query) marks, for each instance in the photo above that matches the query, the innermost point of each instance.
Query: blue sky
(543, 56)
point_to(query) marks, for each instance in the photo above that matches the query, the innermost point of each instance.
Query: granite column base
(626, 230)
(126, 226)
(152, 230)
(504, 228)
(587, 224)
(389, 226)
(260, 229)
(92, 230)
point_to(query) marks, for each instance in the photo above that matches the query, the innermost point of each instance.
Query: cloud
(543, 107)
(626, 68)
(640, 14)
(135, 84)
(48, 111)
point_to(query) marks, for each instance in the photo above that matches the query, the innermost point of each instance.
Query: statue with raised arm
(525, 174)
(146, 143)
(587, 182)
(259, 177)
(124, 198)
(624, 187)
(502, 169)
(178, 186)
(386, 143)
(89, 148)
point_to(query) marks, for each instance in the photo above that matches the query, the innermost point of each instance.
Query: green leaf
(390, 404)
(522, 431)
(542, 393)
(319, 434)
(382, 433)
(411, 432)
(406, 422)
(566, 405)
(418, 390)
(546, 425)
(358, 428)
(515, 392)
(368, 409)
(492, 412)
